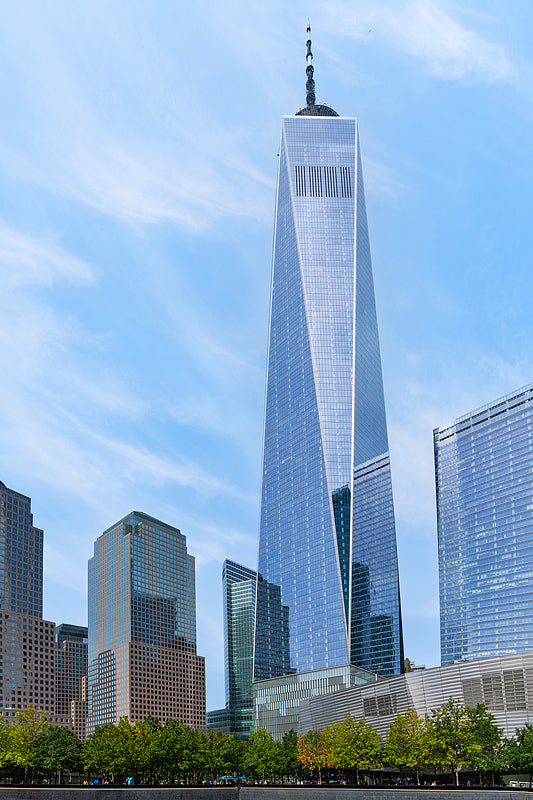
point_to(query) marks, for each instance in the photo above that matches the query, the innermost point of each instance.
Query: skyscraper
(327, 532)
(244, 593)
(142, 626)
(238, 599)
(71, 674)
(27, 646)
(484, 481)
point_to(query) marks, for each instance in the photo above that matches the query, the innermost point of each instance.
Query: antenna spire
(309, 70)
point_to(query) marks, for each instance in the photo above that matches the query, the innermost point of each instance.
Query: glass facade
(21, 555)
(484, 481)
(327, 532)
(277, 701)
(238, 598)
(26, 640)
(71, 665)
(142, 626)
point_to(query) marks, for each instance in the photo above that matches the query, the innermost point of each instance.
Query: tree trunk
(456, 771)
(417, 776)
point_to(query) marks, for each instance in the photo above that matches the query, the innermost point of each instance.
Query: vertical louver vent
(323, 182)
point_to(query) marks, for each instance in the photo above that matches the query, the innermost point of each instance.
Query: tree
(313, 751)
(289, 753)
(407, 743)
(523, 750)
(100, 752)
(354, 745)
(29, 724)
(486, 752)
(263, 754)
(453, 736)
(57, 750)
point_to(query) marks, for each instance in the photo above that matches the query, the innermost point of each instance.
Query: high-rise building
(238, 600)
(484, 481)
(71, 674)
(142, 626)
(26, 640)
(245, 594)
(327, 531)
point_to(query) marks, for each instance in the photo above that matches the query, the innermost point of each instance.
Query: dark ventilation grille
(315, 181)
(370, 707)
(493, 692)
(330, 181)
(323, 181)
(515, 693)
(472, 692)
(386, 705)
(346, 182)
(301, 188)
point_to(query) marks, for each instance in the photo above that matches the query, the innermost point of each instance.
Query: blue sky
(138, 147)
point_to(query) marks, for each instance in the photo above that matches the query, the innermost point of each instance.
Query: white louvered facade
(503, 683)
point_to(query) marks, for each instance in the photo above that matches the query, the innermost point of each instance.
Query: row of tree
(451, 738)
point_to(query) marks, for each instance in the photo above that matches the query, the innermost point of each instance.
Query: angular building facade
(484, 483)
(142, 626)
(327, 531)
(71, 675)
(27, 641)
(239, 585)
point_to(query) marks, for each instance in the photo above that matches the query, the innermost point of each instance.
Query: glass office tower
(142, 626)
(26, 639)
(484, 481)
(327, 532)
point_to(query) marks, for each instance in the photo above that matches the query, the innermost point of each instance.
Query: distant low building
(71, 674)
(503, 683)
(277, 700)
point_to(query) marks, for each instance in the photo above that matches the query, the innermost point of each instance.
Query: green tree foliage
(486, 750)
(58, 750)
(289, 754)
(353, 745)
(452, 736)
(263, 755)
(29, 724)
(407, 742)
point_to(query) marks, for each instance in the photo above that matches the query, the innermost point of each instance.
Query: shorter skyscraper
(142, 626)
(71, 675)
(27, 641)
(484, 481)
(238, 598)
(247, 596)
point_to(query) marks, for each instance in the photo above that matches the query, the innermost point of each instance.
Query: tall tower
(142, 626)
(484, 477)
(27, 667)
(327, 532)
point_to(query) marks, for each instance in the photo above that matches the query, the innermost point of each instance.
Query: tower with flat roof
(142, 626)
(484, 481)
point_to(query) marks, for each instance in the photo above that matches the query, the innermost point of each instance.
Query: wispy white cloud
(32, 260)
(429, 30)
(54, 410)
(164, 159)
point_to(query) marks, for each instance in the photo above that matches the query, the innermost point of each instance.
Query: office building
(277, 700)
(142, 626)
(504, 684)
(27, 641)
(327, 531)
(238, 600)
(484, 482)
(71, 675)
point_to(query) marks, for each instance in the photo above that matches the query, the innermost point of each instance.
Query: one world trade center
(327, 530)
